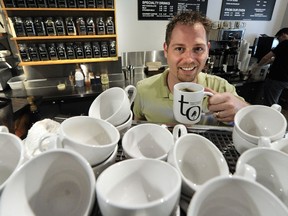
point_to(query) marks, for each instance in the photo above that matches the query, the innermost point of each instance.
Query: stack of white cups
(114, 106)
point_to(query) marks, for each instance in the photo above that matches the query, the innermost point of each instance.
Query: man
(186, 49)
(277, 78)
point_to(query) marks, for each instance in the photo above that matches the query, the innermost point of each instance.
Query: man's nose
(189, 56)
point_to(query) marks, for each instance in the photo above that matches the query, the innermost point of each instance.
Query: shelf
(68, 61)
(10, 12)
(63, 37)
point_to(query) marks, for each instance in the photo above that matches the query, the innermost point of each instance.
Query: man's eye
(199, 50)
(179, 49)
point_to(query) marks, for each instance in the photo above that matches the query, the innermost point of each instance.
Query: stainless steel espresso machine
(224, 51)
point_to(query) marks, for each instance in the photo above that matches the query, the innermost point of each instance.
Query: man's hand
(224, 105)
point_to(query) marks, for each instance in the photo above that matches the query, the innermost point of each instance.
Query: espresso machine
(223, 53)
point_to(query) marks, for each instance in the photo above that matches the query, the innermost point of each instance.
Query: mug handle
(205, 109)
(264, 142)
(48, 142)
(134, 92)
(178, 131)
(276, 107)
(247, 171)
(4, 129)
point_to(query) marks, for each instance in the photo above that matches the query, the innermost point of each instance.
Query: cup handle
(205, 109)
(276, 107)
(247, 171)
(178, 131)
(264, 142)
(134, 92)
(4, 129)
(48, 142)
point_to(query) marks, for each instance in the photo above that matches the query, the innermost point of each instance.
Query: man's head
(186, 46)
(282, 34)
(187, 18)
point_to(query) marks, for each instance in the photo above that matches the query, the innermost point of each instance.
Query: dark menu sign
(247, 9)
(166, 9)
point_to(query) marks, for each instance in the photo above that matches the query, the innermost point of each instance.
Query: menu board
(247, 9)
(166, 9)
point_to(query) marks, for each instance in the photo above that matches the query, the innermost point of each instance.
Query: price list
(247, 9)
(166, 9)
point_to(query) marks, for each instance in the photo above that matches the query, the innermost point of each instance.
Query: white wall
(134, 35)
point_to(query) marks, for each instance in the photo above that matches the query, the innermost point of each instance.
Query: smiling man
(186, 48)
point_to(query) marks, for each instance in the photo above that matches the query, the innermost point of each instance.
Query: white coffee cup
(235, 196)
(123, 128)
(11, 155)
(57, 182)
(99, 168)
(197, 159)
(113, 105)
(216, 25)
(187, 102)
(255, 121)
(225, 24)
(271, 169)
(147, 140)
(140, 186)
(95, 139)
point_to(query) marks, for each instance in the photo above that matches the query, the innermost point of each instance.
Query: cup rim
(20, 159)
(210, 184)
(91, 112)
(131, 154)
(250, 154)
(170, 194)
(199, 87)
(81, 160)
(116, 136)
(250, 137)
(192, 185)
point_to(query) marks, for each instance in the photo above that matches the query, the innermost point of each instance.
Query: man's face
(187, 52)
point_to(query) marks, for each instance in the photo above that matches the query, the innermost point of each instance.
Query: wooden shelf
(68, 61)
(63, 37)
(63, 12)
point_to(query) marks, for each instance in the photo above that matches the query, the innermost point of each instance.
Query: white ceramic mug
(255, 121)
(11, 155)
(270, 167)
(123, 128)
(197, 159)
(187, 102)
(147, 140)
(99, 168)
(57, 182)
(95, 139)
(235, 196)
(113, 104)
(140, 186)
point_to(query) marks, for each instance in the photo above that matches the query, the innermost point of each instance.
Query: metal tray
(220, 136)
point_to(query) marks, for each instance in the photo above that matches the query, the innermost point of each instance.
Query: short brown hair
(187, 18)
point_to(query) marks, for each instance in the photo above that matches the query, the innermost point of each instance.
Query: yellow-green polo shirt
(154, 101)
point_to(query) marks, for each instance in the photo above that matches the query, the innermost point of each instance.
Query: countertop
(50, 92)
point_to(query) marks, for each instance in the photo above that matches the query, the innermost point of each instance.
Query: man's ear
(165, 47)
